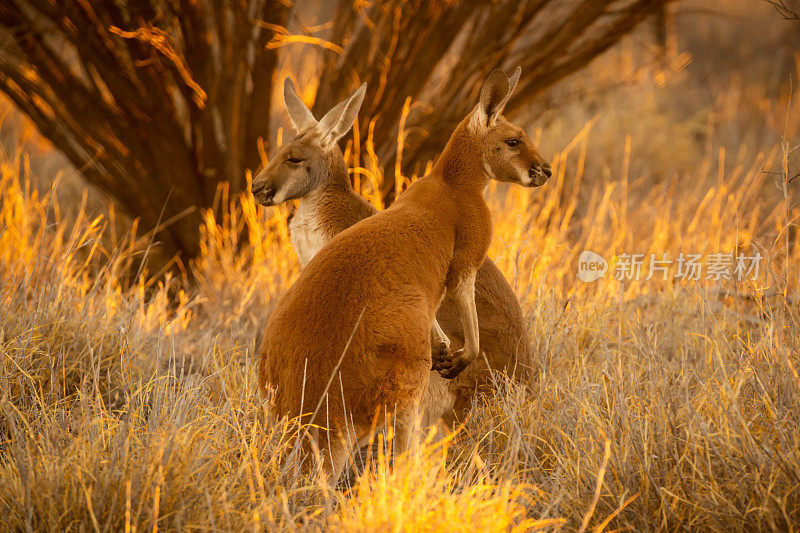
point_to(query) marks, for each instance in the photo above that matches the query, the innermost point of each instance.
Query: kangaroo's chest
(308, 234)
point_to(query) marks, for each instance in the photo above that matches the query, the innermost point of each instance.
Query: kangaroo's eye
(295, 160)
(512, 142)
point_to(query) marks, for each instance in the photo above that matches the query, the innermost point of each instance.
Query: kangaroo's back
(384, 271)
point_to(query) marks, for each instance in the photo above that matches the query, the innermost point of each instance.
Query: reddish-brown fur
(329, 205)
(353, 333)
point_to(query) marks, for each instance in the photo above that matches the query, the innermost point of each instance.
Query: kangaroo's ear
(340, 119)
(299, 114)
(512, 81)
(495, 94)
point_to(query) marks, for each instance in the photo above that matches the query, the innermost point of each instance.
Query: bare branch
(789, 12)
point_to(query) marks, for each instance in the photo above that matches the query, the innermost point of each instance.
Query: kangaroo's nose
(539, 174)
(262, 193)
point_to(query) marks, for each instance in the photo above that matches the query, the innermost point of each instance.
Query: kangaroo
(354, 330)
(328, 205)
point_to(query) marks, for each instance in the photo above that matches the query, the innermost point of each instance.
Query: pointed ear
(299, 114)
(512, 81)
(340, 119)
(495, 94)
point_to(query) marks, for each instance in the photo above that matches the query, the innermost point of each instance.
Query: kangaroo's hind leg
(407, 417)
(328, 449)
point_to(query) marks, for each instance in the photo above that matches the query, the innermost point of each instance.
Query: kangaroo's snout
(262, 193)
(539, 174)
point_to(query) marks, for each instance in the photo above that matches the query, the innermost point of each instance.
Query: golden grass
(658, 404)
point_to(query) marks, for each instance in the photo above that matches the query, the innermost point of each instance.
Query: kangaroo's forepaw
(451, 365)
(440, 351)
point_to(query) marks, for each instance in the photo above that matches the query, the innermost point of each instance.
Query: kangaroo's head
(305, 163)
(508, 153)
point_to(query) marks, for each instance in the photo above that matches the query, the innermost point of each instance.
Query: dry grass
(658, 404)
